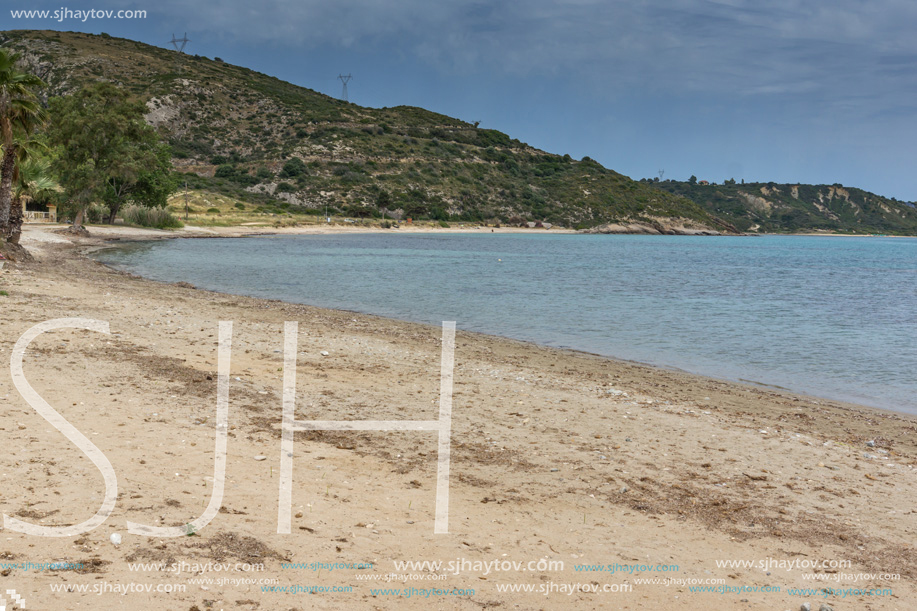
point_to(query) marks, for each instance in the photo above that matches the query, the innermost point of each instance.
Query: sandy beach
(560, 460)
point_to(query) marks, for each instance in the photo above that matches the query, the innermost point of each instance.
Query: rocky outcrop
(649, 229)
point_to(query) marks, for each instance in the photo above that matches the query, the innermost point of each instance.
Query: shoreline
(557, 454)
(125, 235)
(119, 235)
(129, 233)
(567, 350)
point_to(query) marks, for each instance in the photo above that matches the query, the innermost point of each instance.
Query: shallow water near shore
(833, 317)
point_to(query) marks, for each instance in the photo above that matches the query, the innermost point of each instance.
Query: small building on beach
(40, 214)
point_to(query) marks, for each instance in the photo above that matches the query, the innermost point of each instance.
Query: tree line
(89, 148)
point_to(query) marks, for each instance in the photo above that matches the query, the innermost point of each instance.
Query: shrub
(213, 210)
(361, 211)
(144, 216)
(97, 213)
(240, 206)
(238, 175)
(293, 168)
(443, 224)
(245, 179)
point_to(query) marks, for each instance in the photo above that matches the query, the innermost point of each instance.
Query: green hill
(240, 133)
(776, 208)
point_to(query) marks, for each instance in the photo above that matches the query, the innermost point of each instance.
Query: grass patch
(160, 218)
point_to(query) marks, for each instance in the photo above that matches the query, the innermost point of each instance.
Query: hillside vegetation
(279, 147)
(776, 208)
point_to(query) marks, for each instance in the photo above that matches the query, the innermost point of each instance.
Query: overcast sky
(812, 91)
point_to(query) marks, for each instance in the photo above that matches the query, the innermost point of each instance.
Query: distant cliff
(794, 208)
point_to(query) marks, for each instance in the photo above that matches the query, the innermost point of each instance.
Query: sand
(557, 456)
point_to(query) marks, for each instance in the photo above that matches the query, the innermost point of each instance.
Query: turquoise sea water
(834, 317)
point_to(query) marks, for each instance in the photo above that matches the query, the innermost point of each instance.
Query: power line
(183, 40)
(179, 44)
(345, 78)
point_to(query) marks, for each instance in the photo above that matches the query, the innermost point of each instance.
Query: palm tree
(20, 113)
(33, 179)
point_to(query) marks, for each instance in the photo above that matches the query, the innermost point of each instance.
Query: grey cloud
(685, 47)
